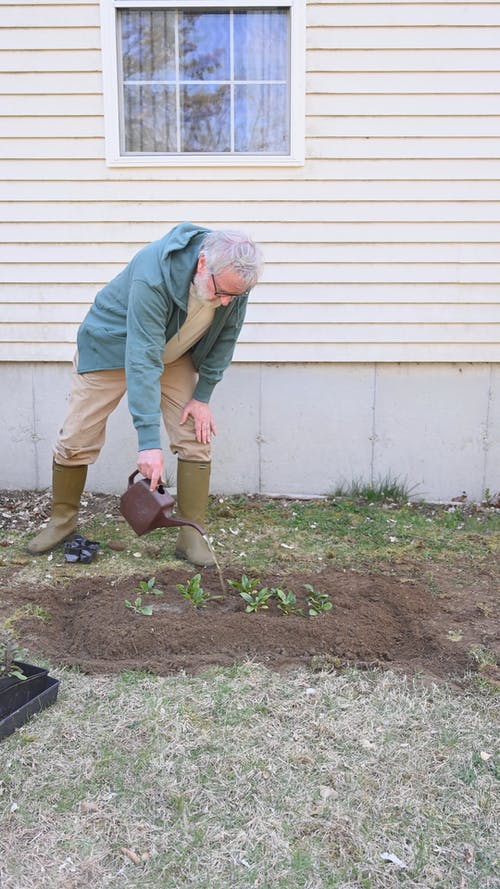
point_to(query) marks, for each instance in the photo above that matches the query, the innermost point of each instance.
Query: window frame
(111, 67)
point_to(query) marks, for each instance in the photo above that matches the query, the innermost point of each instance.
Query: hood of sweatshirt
(178, 258)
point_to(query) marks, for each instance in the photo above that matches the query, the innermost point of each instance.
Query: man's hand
(150, 463)
(204, 424)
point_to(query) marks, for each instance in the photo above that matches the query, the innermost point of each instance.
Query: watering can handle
(167, 519)
(132, 477)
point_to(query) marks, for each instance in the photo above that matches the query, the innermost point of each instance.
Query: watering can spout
(167, 521)
(146, 510)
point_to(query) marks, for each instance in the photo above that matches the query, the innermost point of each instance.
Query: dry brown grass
(247, 778)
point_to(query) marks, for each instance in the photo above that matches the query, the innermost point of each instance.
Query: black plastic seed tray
(14, 692)
(23, 699)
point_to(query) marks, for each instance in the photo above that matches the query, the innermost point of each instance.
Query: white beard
(202, 289)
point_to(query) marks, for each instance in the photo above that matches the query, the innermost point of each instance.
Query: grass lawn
(320, 775)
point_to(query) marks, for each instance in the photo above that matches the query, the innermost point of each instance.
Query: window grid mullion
(177, 83)
(231, 78)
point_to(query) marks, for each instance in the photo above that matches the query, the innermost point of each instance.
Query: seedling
(317, 602)
(39, 612)
(248, 589)
(245, 585)
(258, 600)
(138, 607)
(194, 591)
(287, 601)
(8, 654)
(483, 656)
(149, 586)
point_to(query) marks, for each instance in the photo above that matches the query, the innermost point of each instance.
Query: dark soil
(375, 620)
(424, 617)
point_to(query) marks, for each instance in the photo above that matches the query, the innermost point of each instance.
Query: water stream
(219, 570)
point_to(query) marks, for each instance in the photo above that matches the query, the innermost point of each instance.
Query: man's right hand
(150, 463)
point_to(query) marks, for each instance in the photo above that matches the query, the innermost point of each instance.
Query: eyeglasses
(225, 292)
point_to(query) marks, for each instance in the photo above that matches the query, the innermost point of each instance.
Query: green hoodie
(142, 308)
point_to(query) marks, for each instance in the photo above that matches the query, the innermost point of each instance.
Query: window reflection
(208, 82)
(205, 118)
(204, 46)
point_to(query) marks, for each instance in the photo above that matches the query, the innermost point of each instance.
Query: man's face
(218, 289)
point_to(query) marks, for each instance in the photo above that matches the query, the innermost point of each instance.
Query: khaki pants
(95, 395)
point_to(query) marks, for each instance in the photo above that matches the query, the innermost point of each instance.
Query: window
(193, 82)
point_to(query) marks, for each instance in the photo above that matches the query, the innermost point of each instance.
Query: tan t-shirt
(199, 318)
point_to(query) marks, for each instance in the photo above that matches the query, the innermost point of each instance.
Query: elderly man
(164, 330)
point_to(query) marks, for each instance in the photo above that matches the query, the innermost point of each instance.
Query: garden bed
(375, 619)
(412, 587)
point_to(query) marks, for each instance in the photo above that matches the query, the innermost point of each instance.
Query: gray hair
(233, 249)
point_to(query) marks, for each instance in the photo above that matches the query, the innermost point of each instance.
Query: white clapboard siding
(395, 127)
(410, 38)
(314, 333)
(383, 246)
(73, 17)
(32, 82)
(338, 295)
(309, 314)
(326, 254)
(64, 40)
(400, 60)
(277, 191)
(462, 234)
(407, 212)
(318, 168)
(78, 60)
(413, 14)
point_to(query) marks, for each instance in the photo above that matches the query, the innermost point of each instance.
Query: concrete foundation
(294, 429)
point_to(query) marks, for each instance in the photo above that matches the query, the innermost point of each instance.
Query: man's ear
(202, 263)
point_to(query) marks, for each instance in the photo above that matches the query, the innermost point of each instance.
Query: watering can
(146, 510)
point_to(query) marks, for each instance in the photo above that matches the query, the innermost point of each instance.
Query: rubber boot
(68, 483)
(193, 481)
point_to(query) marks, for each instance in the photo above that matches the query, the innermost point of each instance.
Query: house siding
(383, 246)
(382, 259)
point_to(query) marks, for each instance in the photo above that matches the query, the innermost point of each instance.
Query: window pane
(261, 45)
(205, 81)
(205, 118)
(261, 119)
(204, 46)
(148, 45)
(150, 120)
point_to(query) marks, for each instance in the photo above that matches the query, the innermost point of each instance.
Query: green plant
(149, 586)
(245, 585)
(317, 602)
(9, 651)
(28, 610)
(379, 490)
(483, 656)
(39, 612)
(194, 591)
(256, 600)
(491, 499)
(287, 601)
(138, 607)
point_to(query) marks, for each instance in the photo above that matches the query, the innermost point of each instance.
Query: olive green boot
(193, 481)
(68, 483)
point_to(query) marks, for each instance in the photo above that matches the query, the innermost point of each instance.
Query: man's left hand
(204, 425)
